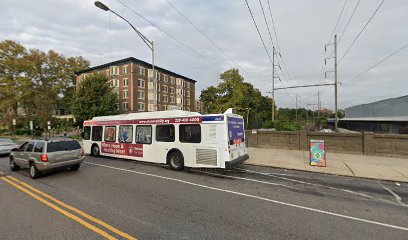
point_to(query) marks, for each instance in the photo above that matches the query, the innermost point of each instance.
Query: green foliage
(268, 124)
(34, 81)
(233, 92)
(95, 98)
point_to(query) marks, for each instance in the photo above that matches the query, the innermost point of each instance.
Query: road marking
(95, 220)
(321, 185)
(308, 183)
(398, 198)
(246, 179)
(257, 197)
(60, 210)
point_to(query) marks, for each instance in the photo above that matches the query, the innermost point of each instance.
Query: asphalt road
(148, 201)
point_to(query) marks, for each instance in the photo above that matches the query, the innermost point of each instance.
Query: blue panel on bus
(235, 128)
(213, 118)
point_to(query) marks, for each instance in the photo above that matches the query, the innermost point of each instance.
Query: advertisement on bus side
(125, 149)
(235, 130)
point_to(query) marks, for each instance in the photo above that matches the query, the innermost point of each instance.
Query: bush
(268, 124)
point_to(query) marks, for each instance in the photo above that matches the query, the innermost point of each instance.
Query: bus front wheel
(176, 161)
(95, 150)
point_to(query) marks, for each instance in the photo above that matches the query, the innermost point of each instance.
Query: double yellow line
(53, 202)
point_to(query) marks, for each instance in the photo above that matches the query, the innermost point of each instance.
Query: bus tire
(95, 150)
(176, 160)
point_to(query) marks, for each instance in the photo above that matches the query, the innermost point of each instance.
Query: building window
(188, 102)
(165, 89)
(172, 80)
(125, 93)
(171, 99)
(165, 78)
(141, 71)
(125, 82)
(190, 133)
(125, 106)
(110, 134)
(144, 134)
(141, 83)
(164, 108)
(141, 107)
(125, 69)
(188, 93)
(165, 98)
(114, 70)
(158, 87)
(141, 94)
(187, 84)
(125, 134)
(165, 133)
(172, 90)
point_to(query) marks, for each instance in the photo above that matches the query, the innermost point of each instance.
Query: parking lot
(117, 199)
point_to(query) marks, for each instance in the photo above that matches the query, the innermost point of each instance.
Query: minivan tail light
(82, 152)
(44, 158)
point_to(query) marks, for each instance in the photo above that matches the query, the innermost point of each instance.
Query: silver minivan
(43, 155)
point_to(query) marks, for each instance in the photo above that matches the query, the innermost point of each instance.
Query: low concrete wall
(355, 143)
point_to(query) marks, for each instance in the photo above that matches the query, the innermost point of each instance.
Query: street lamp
(247, 116)
(149, 44)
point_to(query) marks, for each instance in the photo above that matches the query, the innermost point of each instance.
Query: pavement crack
(349, 168)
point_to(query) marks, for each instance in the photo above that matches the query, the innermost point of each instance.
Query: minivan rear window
(63, 146)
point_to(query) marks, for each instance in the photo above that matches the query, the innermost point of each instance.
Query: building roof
(376, 119)
(134, 60)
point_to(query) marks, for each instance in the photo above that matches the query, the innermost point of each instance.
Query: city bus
(175, 137)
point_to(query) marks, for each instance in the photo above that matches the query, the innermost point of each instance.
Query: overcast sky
(77, 27)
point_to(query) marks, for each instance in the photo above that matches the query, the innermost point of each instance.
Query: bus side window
(165, 133)
(97, 133)
(110, 134)
(190, 133)
(143, 134)
(126, 134)
(87, 133)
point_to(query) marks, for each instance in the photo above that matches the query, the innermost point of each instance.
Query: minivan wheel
(75, 167)
(12, 164)
(95, 150)
(34, 172)
(176, 161)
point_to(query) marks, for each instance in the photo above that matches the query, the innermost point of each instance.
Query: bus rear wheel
(176, 161)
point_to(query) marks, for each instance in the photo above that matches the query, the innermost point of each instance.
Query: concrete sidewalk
(375, 167)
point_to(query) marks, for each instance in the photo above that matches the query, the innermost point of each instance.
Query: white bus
(177, 138)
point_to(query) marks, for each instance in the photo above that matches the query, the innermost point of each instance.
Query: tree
(234, 92)
(35, 82)
(95, 97)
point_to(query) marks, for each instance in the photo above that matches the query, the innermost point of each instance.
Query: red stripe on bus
(145, 121)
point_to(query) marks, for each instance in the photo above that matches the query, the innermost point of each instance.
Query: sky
(303, 27)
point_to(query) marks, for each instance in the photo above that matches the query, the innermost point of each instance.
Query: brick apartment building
(129, 77)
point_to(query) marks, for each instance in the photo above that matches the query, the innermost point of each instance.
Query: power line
(358, 35)
(270, 36)
(338, 20)
(381, 61)
(277, 42)
(202, 33)
(171, 36)
(259, 33)
(348, 22)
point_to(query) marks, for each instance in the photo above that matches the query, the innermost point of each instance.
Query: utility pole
(296, 107)
(273, 85)
(318, 104)
(335, 84)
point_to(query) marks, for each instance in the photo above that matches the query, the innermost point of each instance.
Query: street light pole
(148, 42)
(247, 117)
